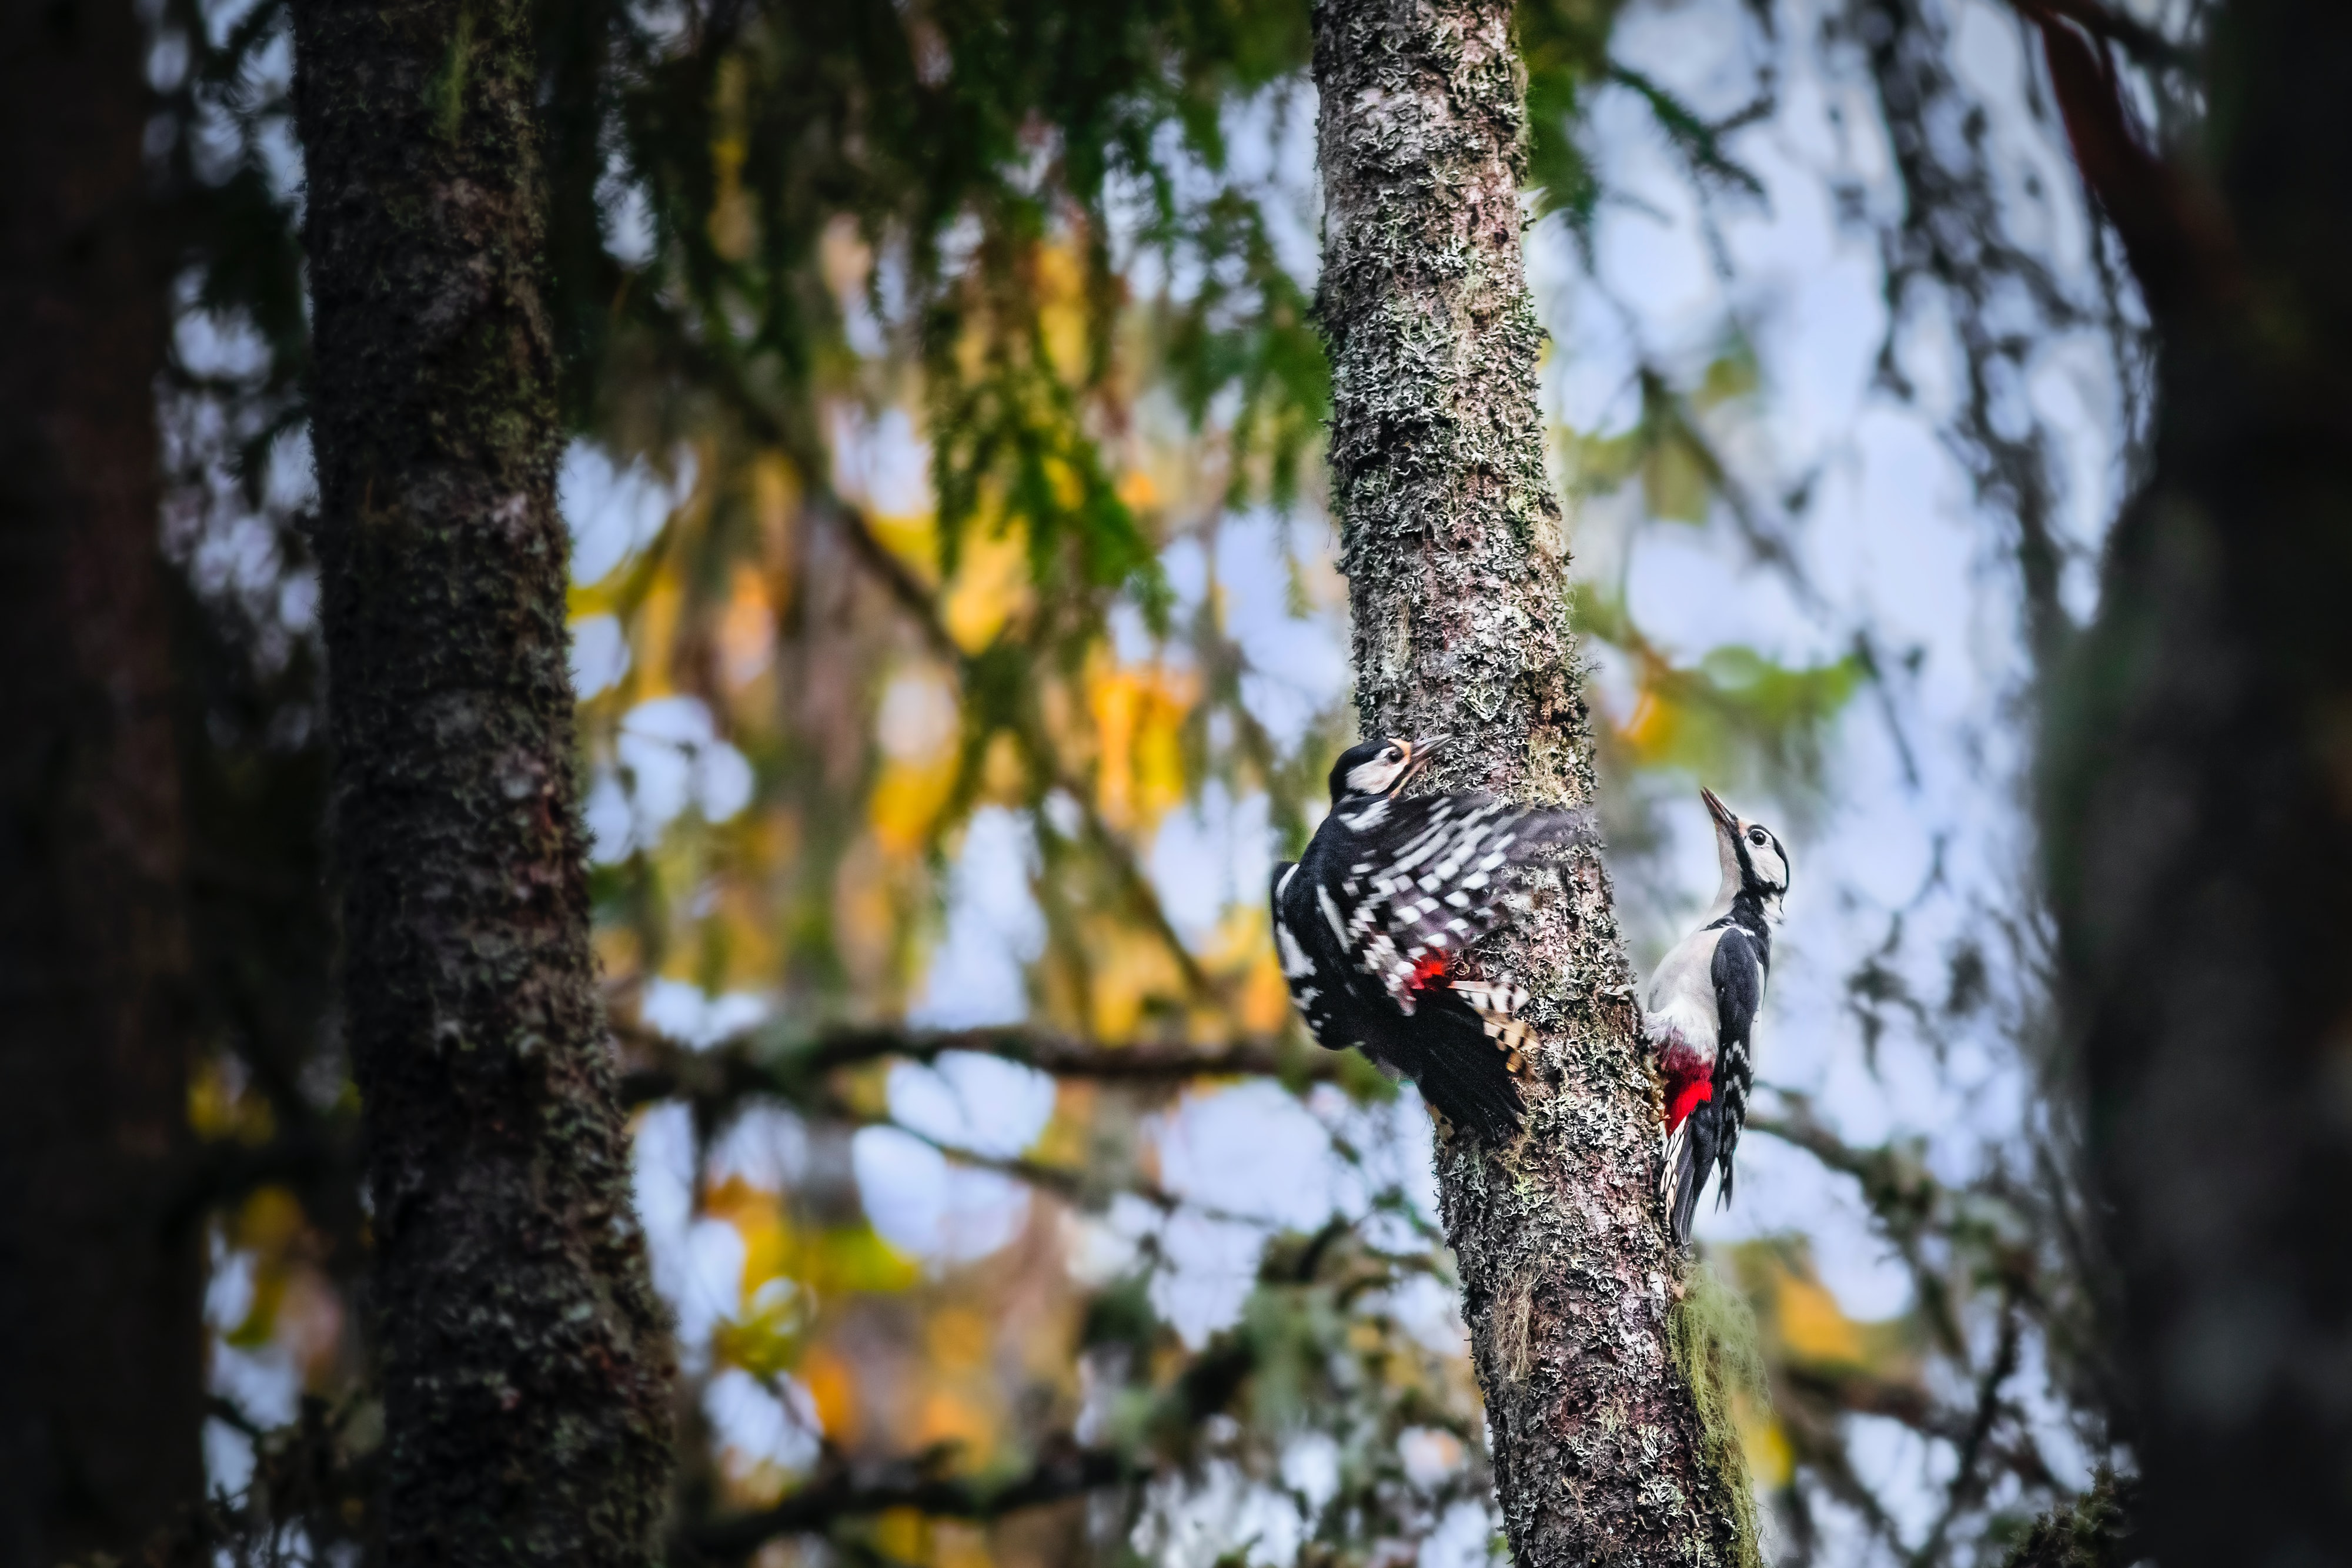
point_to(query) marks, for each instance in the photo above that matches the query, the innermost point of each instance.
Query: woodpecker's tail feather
(1691, 1155)
(1470, 1079)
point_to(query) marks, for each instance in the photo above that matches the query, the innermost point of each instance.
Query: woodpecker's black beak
(1723, 816)
(1418, 756)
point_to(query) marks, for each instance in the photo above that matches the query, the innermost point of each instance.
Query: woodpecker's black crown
(1382, 766)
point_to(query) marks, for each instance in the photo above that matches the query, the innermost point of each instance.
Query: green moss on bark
(2096, 1529)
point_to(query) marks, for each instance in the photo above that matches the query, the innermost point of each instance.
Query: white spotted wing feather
(1427, 880)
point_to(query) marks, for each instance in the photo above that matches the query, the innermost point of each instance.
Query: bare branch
(851, 1493)
(1969, 1483)
(736, 1069)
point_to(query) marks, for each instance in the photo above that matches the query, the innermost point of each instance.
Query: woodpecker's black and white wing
(1740, 966)
(1425, 879)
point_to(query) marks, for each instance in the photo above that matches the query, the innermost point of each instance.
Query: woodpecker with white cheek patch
(1700, 1014)
(1372, 924)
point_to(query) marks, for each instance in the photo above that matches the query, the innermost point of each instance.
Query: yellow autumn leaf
(221, 1109)
(1771, 1461)
(620, 949)
(268, 1221)
(259, 1325)
(1131, 969)
(1263, 1004)
(268, 1225)
(912, 537)
(1242, 949)
(775, 498)
(655, 636)
(1064, 1141)
(907, 800)
(1810, 1323)
(1137, 491)
(958, 1339)
(1062, 315)
(1138, 712)
(730, 209)
(832, 1389)
(903, 1535)
(1654, 729)
(746, 633)
(835, 1259)
(991, 587)
(948, 1415)
(1730, 377)
(1004, 775)
(765, 1344)
(854, 1257)
(758, 1216)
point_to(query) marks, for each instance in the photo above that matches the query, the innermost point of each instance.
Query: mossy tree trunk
(524, 1359)
(1452, 544)
(101, 1370)
(2200, 823)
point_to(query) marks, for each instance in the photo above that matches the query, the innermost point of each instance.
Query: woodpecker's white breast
(1679, 1013)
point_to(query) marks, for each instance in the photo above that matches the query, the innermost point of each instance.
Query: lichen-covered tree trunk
(1452, 544)
(2200, 829)
(523, 1357)
(101, 1379)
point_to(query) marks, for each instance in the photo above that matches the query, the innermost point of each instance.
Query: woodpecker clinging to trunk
(1700, 1014)
(1370, 924)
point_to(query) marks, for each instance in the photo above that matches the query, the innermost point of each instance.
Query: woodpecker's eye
(1756, 835)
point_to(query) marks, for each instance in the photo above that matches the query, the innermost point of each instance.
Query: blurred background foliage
(957, 639)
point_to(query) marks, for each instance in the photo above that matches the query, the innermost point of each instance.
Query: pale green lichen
(1712, 1337)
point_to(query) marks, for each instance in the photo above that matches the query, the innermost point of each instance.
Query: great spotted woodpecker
(1700, 1013)
(1372, 922)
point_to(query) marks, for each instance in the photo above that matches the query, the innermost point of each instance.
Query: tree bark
(1452, 544)
(524, 1358)
(100, 1329)
(2200, 813)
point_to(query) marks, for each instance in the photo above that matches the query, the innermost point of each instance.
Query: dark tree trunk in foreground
(2201, 822)
(101, 1337)
(525, 1361)
(1451, 547)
